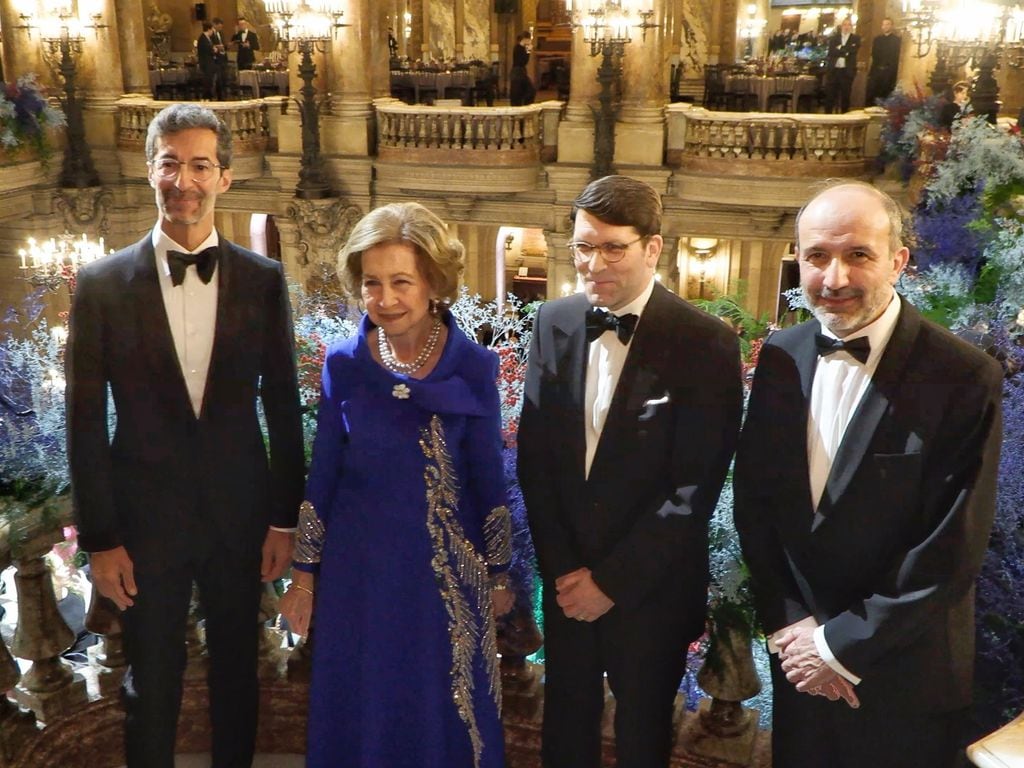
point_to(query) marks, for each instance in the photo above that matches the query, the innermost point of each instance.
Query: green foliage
(730, 307)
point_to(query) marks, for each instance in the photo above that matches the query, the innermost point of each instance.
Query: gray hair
(892, 209)
(181, 117)
(439, 258)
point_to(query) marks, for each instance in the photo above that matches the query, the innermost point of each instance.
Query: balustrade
(729, 143)
(249, 123)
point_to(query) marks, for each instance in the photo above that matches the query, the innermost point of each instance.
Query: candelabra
(307, 28)
(920, 17)
(62, 34)
(606, 25)
(55, 262)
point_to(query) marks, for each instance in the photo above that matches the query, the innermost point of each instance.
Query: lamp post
(606, 25)
(62, 34)
(307, 29)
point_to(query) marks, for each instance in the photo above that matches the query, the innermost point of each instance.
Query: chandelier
(607, 22)
(56, 261)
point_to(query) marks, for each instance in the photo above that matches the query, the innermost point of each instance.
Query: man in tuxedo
(247, 44)
(885, 64)
(220, 60)
(207, 61)
(841, 67)
(865, 491)
(185, 330)
(631, 413)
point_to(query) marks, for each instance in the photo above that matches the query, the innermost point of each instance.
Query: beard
(869, 305)
(177, 206)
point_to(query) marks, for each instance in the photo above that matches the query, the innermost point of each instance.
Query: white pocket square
(656, 401)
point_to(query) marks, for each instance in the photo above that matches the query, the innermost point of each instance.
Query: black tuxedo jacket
(204, 53)
(837, 50)
(168, 484)
(887, 562)
(640, 521)
(246, 56)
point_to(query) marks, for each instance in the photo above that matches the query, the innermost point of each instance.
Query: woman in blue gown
(404, 539)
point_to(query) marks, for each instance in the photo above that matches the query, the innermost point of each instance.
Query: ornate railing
(485, 135)
(735, 143)
(249, 122)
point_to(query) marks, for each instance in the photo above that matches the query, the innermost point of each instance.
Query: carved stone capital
(322, 227)
(85, 210)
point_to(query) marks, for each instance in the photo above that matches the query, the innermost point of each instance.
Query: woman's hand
(297, 603)
(502, 601)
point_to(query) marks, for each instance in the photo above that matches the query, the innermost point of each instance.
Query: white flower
(401, 391)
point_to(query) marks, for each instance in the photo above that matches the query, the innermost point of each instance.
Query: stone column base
(48, 706)
(639, 143)
(737, 749)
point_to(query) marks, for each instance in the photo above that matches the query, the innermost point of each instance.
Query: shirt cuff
(829, 658)
(282, 530)
(806, 621)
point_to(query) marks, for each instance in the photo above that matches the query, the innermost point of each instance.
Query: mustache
(177, 194)
(842, 293)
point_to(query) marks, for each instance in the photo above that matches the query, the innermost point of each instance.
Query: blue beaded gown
(405, 524)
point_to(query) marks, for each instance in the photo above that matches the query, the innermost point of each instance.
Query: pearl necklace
(392, 363)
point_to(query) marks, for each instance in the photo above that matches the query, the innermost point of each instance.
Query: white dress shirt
(607, 356)
(191, 314)
(840, 382)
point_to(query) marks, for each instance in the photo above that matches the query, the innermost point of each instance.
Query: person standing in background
(248, 43)
(885, 64)
(841, 63)
(520, 88)
(220, 60)
(207, 63)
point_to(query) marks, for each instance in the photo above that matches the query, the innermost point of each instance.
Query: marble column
(99, 66)
(640, 132)
(347, 130)
(21, 47)
(576, 131)
(131, 36)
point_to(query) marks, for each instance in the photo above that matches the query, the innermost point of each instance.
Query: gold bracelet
(302, 588)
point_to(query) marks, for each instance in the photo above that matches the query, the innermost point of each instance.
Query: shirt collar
(636, 306)
(878, 332)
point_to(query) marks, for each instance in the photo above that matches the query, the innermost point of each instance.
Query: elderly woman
(404, 538)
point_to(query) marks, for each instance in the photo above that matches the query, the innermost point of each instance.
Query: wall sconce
(702, 249)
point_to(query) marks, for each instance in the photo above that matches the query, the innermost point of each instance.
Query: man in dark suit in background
(220, 60)
(186, 330)
(247, 43)
(885, 64)
(632, 408)
(207, 61)
(841, 67)
(865, 491)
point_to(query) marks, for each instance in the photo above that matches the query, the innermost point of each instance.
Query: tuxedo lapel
(570, 346)
(873, 406)
(229, 323)
(636, 380)
(158, 344)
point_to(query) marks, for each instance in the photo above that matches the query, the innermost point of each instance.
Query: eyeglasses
(169, 168)
(582, 251)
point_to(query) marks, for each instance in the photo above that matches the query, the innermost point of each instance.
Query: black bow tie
(858, 348)
(599, 321)
(205, 261)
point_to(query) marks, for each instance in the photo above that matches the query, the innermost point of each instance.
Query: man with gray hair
(865, 492)
(185, 330)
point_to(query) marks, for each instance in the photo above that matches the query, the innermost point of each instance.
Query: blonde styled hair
(439, 258)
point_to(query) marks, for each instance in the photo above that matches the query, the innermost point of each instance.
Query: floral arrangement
(26, 115)
(913, 121)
